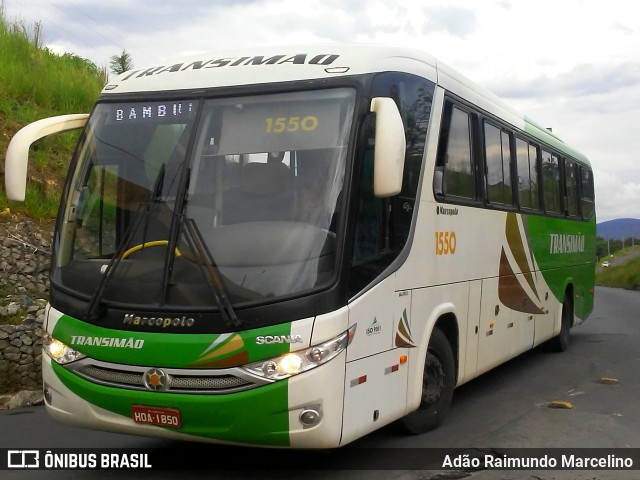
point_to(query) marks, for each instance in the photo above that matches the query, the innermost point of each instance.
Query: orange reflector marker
(351, 334)
(403, 359)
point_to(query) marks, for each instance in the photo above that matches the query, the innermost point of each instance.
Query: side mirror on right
(390, 146)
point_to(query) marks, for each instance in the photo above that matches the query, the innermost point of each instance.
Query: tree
(121, 63)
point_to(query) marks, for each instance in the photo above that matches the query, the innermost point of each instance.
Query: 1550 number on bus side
(446, 243)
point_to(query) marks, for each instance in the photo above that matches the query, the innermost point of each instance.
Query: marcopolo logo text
(159, 321)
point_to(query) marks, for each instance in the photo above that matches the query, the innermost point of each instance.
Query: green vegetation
(621, 275)
(604, 247)
(121, 63)
(36, 83)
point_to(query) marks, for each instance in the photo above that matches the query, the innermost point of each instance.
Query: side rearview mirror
(17, 158)
(390, 146)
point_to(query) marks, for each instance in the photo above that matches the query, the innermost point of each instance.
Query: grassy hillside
(624, 271)
(36, 83)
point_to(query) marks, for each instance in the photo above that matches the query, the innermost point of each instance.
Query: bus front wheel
(438, 382)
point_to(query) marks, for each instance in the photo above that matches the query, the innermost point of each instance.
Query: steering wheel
(155, 243)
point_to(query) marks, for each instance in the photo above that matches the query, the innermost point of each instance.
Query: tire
(560, 342)
(439, 380)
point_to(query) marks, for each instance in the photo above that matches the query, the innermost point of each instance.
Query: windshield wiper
(156, 196)
(180, 223)
(211, 272)
(142, 213)
(96, 299)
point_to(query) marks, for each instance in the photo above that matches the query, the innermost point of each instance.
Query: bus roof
(272, 64)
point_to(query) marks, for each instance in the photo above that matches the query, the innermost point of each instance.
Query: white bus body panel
(328, 400)
(376, 378)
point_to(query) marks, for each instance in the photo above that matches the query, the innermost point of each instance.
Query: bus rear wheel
(560, 342)
(438, 383)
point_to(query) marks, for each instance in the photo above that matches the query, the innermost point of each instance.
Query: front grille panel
(179, 380)
(206, 383)
(112, 376)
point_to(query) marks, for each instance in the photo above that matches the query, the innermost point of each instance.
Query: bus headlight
(58, 351)
(293, 363)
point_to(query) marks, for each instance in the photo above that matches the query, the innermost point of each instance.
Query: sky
(572, 65)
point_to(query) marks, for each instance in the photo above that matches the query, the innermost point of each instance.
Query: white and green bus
(295, 246)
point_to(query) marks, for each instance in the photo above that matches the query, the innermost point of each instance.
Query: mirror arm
(17, 156)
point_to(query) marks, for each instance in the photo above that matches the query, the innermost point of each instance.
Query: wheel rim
(433, 381)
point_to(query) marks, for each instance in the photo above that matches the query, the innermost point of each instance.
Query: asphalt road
(599, 376)
(620, 259)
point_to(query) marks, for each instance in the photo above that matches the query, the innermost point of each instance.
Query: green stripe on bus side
(259, 416)
(182, 350)
(565, 253)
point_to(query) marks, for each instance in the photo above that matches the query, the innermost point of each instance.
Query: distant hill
(619, 228)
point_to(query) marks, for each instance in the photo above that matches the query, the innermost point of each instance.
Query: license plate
(163, 417)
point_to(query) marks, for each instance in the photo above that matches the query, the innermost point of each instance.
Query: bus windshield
(256, 178)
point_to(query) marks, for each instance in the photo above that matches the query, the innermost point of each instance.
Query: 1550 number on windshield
(290, 124)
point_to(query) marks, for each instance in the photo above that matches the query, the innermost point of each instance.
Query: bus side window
(527, 175)
(587, 193)
(551, 182)
(571, 188)
(454, 157)
(497, 148)
(368, 242)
